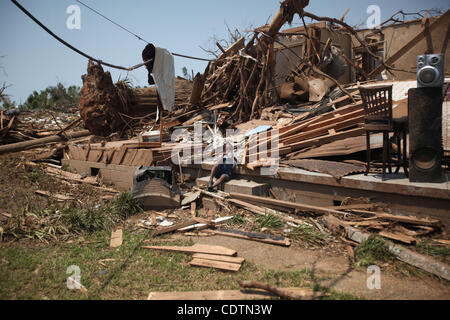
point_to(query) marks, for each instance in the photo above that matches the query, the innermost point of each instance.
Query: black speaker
(425, 134)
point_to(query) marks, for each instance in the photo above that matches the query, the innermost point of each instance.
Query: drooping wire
(72, 47)
(134, 34)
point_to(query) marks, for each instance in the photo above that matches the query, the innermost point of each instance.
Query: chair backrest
(377, 102)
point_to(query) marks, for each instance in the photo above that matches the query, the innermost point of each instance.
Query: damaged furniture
(378, 118)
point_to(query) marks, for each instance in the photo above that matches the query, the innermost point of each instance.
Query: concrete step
(240, 186)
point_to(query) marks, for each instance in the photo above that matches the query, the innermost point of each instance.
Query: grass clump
(269, 221)
(373, 250)
(124, 206)
(428, 247)
(238, 220)
(308, 234)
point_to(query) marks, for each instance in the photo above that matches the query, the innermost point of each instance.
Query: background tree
(55, 98)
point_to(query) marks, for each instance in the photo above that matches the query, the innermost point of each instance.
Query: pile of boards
(207, 256)
(390, 226)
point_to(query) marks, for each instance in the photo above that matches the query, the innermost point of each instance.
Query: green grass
(308, 234)
(56, 220)
(145, 271)
(372, 251)
(269, 221)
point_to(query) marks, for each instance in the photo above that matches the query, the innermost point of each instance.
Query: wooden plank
(287, 204)
(197, 248)
(215, 264)
(285, 243)
(58, 197)
(324, 130)
(338, 117)
(262, 210)
(218, 258)
(445, 18)
(118, 156)
(327, 139)
(95, 155)
(442, 241)
(397, 236)
(141, 158)
(139, 145)
(175, 227)
(116, 238)
(354, 206)
(254, 294)
(193, 209)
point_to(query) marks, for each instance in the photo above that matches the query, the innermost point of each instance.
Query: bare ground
(336, 266)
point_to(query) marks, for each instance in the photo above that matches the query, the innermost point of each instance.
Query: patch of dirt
(335, 265)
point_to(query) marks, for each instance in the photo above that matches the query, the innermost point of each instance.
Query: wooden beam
(197, 248)
(252, 237)
(327, 139)
(411, 257)
(215, 264)
(286, 204)
(398, 237)
(340, 125)
(404, 219)
(175, 227)
(19, 146)
(215, 257)
(254, 294)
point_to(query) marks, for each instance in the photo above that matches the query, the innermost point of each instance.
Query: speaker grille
(425, 134)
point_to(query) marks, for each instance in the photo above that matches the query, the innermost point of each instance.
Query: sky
(32, 60)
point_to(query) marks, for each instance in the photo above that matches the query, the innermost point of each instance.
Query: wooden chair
(378, 118)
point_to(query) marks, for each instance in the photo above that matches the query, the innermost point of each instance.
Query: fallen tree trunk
(16, 147)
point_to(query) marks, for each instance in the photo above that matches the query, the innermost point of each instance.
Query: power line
(72, 47)
(134, 34)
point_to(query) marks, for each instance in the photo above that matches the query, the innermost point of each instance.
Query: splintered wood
(116, 238)
(207, 256)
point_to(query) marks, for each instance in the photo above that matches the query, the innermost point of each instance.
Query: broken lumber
(58, 197)
(398, 237)
(260, 237)
(197, 248)
(210, 194)
(284, 294)
(286, 204)
(403, 219)
(175, 227)
(445, 18)
(20, 146)
(116, 238)
(413, 258)
(254, 294)
(227, 266)
(218, 258)
(262, 210)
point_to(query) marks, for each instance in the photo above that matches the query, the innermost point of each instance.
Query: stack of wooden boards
(207, 256)
(345, 121)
